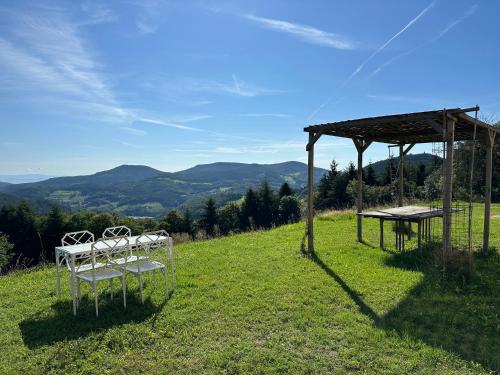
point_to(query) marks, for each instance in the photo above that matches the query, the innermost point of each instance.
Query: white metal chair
(105, 251)
(147, 242)
(121, 230)
(78, 238)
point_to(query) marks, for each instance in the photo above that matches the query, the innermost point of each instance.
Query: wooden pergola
(406, 130)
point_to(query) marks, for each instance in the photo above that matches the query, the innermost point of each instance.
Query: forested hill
(414, 160)
(143, 191)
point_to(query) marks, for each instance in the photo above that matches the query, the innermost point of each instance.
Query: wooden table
(411, 214)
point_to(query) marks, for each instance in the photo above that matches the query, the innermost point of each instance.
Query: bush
(229, 218)
(5, 252)
(289, 209)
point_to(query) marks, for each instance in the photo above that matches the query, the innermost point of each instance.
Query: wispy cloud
(391, 39)
(469, 12)
(278, 115)
(375, 53)
(128, 144)
(397, 98)
(97, 13)
(189, 118)
(47, 58)
(134, 131)
(291, 146)
(166, 124)
(149, 16)
(234, 87)
(306, 33)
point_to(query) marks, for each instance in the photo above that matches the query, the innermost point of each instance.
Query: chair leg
(124, 287)
(94, 287)
(78, 294)
(165, 277)
(139, 276)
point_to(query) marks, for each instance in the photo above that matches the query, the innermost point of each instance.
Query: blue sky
(86, 86)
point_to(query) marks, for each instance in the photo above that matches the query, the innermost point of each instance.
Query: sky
(89, 85)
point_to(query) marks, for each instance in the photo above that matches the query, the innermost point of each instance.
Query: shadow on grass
(61, 324)
(443, 311)
(363, 307)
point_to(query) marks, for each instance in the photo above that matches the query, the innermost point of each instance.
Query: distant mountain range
(137, 190)
(415, 160)
(22, 178)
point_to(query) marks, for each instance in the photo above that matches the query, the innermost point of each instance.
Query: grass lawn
(253, 303)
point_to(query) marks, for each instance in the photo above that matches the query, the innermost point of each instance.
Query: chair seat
(145, 266)
(129, 259)
(102, 274)
(87, 267)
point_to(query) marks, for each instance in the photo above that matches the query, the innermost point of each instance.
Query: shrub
(5, 252)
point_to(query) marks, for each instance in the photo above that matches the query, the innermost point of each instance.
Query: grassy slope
(252, 303)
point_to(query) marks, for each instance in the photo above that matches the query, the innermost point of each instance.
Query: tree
(389, 171)
(100, 222)
(370, 178)
(188, 225)
(229, 218)
(268, 209)
(19, 223)
(285, 190)
(420, 175)
(209, 217)
(326, 191)
(53, 231)
(289, 209)
(351, 172)
(80, 221)
(173, 222)
(5, 252)
(249, 210)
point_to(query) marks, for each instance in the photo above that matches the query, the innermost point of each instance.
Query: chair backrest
(118, 231)
(152, 240)
(106, 250)
(76, 238)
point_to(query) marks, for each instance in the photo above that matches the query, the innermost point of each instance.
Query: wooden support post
(419, 237)
(490, 142)
(359, 203)
(381, 233)
(310, 195)
(310, 191)
(401, 176)
(449, 135)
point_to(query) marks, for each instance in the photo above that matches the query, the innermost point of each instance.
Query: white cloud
(97, 13)
(279, 115)
(190, 118)
(469, 12)
(306, 33)
(166, 124)
(235, 87)
(134, 131)
(128, 144)
(50, 63)
(391, 39)
(375, 53)
(149, 16)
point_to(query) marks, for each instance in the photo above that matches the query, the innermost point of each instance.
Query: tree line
(28, 238)
(337, 189)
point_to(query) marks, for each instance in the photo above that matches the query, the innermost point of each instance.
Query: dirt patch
(495, 217)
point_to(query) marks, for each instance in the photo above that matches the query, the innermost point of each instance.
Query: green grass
(253, 303)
